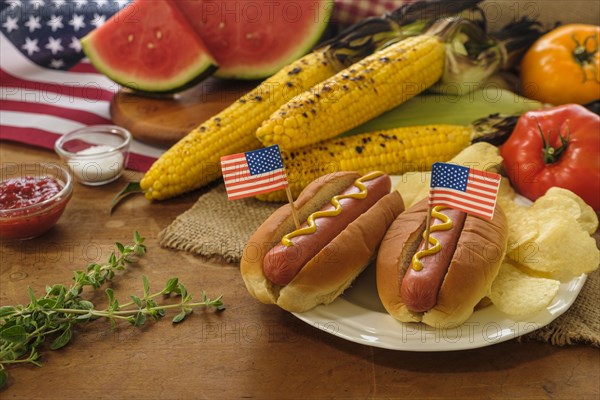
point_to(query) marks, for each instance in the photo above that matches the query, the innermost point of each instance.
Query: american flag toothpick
(255, 172)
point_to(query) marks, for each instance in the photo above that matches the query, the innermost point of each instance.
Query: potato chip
(413, 186)
(561, 247)
(506, 194)
(483, 156)
(516, 293)
(563, 199)
(519, 238)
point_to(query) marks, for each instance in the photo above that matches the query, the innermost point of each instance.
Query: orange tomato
(563, 66)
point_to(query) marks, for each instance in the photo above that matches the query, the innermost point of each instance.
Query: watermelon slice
(253, 39)
(150, 47)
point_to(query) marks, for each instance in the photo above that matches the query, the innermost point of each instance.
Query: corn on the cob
(353, 96)
(194, 160)
(395, 151)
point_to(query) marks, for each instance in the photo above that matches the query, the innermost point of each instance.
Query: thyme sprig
(23, 329)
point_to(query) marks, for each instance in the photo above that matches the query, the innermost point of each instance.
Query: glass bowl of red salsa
(33, 196)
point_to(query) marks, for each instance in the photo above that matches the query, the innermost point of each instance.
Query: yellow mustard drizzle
(446, 224)
(312, 226)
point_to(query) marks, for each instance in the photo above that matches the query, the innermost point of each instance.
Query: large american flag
(47, 87)
(467, 189)
(253, 172)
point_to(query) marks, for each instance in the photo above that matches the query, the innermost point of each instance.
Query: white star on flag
(75, 44)
(56, 63)
(54, 45)
(33, 23)
(98, 20)
(30, 46)
(77, 22)
(55, 23)
(11, 24)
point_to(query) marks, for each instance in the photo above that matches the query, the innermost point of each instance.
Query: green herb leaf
(7, 310)
(182, 291)
(111, 296)
(47, 302)
(146, 286)
(14, 334)
(136, 300)
(32, 297)
(62, 340)
(140, 319)
(179, 317)
(86, 305)
(171, 285)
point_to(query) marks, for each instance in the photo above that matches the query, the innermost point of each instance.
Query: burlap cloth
(216, 227)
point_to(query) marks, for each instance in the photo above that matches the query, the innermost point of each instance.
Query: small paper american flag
(253, 172)
(467, 189)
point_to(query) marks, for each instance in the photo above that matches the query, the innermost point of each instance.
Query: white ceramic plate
(359, 316)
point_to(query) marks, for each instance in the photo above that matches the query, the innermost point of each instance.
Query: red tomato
(558, 146)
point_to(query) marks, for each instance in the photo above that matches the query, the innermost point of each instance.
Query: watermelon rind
(202, 68)
(249, 72)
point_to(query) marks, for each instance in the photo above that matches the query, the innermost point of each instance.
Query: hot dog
(346, 214)
(444, 290)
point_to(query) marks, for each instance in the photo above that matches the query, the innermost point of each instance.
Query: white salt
(101, 169)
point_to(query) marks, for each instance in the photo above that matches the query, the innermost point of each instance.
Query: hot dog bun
(338, 263)
(474, 266)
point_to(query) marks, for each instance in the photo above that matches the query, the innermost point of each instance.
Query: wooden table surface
(250, 350)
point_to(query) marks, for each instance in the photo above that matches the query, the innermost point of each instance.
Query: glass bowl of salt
(96, 154)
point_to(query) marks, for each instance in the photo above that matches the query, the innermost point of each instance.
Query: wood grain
(162, 121)
(250, 350)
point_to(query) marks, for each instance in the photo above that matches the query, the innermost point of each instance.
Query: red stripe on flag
(83, 117)
(36, 137)
(230, 157)
(238, 194)
(439, 199)
(490, 196)
(233, 190)
(487, 215)
(484, 175)
(90, 92)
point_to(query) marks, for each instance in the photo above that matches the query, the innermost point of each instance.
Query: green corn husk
(428, 109)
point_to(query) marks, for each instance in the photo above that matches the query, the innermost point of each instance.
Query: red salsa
(20, 218)
(27, 191)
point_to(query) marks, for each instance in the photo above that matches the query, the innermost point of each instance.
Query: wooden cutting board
(163, 120)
